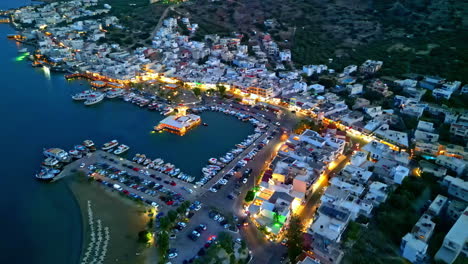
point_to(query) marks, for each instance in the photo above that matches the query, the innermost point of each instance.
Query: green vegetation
(165, 224)
(295, 238)
(304, 124)
(353, 232)
(163, 246)
(196, 91)
(144, 236)
(221, 89)
(379, 244)
(250, 196)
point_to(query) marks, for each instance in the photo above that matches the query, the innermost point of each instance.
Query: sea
(41, 223)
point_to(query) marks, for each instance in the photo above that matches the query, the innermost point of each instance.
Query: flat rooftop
(180, 121)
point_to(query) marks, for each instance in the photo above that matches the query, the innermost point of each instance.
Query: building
(459, 129)
(438, 205)
(399, 174)
(455, 242)
(331, 222)
(354, 88)
(455, 208)
(431, 82)
(262, 92)
(425, 132)
(179, 124)
(433, 169)
(456, 187)
(456, 165)
(370, 66)
(414, 244)
(412, 248)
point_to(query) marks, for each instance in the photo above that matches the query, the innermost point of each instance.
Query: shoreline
(122, 217)
(82, 220)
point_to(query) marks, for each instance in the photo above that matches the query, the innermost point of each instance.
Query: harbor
(40, 114)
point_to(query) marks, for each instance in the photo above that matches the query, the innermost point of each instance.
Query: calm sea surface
(41, 222)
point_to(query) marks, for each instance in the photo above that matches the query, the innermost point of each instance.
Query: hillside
(432, 34)
(410, 36)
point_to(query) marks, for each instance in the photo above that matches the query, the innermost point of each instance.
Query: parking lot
(150, 186)
(188, 248)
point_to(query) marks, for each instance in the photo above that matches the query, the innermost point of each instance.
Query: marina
(64, 122)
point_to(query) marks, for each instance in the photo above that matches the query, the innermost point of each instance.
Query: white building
(399, 173)
(437, 205)
(456, 187)
(285, 55)
(455, 242)
(354, 88)
(457, 165)
(331, 222)
(413, 249)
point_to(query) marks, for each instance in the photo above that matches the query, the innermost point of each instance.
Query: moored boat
(88, 143)
(94, 98)
(110, 145)
(82, 96)
(50, 162)
(121, 149)
(47, 174)
(113, 93)
(56, 153)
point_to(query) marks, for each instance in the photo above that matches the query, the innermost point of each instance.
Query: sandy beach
(111, 224)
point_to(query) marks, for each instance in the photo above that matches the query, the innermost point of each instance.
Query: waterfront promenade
(234, 162)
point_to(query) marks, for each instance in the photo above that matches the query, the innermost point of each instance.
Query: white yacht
(113, 93)
(56, 153)
(94, 98)
(121, 149)
(82, 96)
(110, 145)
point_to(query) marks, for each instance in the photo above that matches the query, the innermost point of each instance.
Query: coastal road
(234, 162)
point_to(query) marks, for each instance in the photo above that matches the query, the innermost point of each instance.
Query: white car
(82, 165)
(213, 190)
(197, 208)
(172, 255)
(223, 181)
(220, 219)
(244, 181)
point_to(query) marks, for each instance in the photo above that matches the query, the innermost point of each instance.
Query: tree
(243, 245)
(295, 238)
(221, 89)
(143, 236)
(327, 82)
(164, 223)
(172, 215)
(372, 95)
(232, 259)
(250, 196)
(225, 241)
(197, 91)
(163, 246)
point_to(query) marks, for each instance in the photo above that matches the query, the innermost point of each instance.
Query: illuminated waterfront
(37, 111)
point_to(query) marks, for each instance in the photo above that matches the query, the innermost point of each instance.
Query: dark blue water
(41, 222)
